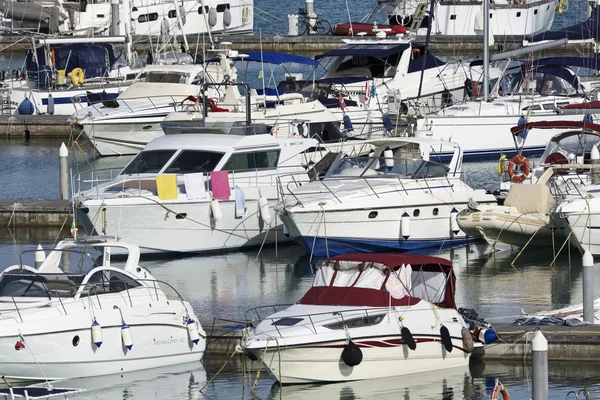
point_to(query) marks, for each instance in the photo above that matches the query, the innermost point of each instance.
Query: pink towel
(220, 185)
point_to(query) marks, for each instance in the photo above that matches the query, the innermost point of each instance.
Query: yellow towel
(167, 187)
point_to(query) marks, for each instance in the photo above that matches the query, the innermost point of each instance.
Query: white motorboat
(525, 217)
(60, 324)
(126, 124)
(536, 96)
(366, 316)
(373, 75)
(62, 77)
(210, 190)
(396, 198)
(135, 17)
(507, 17)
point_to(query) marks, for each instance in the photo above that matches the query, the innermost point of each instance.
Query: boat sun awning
(368, 50)
(272, 57)
(516, 130)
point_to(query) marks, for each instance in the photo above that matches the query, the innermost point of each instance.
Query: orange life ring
(524, 167)
(500, 389)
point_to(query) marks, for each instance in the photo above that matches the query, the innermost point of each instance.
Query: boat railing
(288, 188)
(93, 178)
(92, 290)
(133, 105)
(369, 316)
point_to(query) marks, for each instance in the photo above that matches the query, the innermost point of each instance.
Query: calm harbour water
(226, 285)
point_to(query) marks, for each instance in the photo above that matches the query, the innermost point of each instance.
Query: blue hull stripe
(337, 246)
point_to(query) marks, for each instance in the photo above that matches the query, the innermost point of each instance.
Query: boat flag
(20, 345)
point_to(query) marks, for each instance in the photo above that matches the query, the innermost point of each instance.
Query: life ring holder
(500, 389)
(524, 167)
(77, 76)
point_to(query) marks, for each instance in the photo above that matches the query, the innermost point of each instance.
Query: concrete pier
(37, 125)
(449, 45)
(35, 213)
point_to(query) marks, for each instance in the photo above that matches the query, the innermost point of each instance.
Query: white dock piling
(539, 366)
(39, 256)
(310, 13)
(588, 287)
(114, 22)
(63, 156)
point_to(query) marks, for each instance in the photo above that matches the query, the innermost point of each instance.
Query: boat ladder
(418, 17)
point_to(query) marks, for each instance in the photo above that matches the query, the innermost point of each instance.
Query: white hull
(322, 362)
(122, 138)
(466, 18)
(581, 217)
(155, 230)
(489, 135)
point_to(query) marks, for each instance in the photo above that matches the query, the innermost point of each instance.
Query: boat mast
(427, 39)
(486, 50)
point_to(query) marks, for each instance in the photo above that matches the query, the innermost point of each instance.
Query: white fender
(96, 334)
(454, 221)
(126, 336)
(405, 225)
(389, 158)
(263, 206)
(215, 209)
(192, 329)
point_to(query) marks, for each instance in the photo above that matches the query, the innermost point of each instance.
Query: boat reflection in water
(182, 381)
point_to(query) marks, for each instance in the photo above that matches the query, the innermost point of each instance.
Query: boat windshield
(411, 168)
(569, 145)
(148, 162)
(23, 283)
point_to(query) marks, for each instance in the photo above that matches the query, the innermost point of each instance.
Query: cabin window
(436, 211)
(205, 10)
(148, 162)
(518, 14)
(165, 77)
(254, 160)
(109, 282)
(453, 17)
(373, 214)
(535, 12)
(416, 212)
(148, 17)
(26, 284)
(491, 16)
(189, 161)
(357, 322)
(223, 7)
(172, 14)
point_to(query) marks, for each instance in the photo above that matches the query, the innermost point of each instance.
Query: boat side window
(254, 160)
(28, 284)
(148, 17)
(148, 162)
(357, 322)
(163, 77)
(189, 161)
(429, 169)
(109, 282)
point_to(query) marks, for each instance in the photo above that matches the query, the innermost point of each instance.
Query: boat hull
(381, 357)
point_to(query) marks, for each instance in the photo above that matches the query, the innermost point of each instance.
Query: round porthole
(436, 211)
(416, 213)
(373, 214)
(75, 340)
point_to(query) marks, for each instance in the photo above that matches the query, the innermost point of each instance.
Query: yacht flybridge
(60, 324)
(366, 316)
(211, 190)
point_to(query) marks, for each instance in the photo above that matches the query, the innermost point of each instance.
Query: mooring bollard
(39, 256)
(588, 286)
(63, 156)
(539, 366)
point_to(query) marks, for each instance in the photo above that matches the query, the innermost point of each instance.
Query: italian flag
(20, 345)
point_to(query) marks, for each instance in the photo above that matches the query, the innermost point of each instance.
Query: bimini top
(382, 280)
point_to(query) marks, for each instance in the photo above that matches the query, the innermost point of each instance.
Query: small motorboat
(59, 324)
(366, 316)
(354, 28)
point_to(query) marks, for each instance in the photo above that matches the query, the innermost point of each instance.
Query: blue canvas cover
(587, 29)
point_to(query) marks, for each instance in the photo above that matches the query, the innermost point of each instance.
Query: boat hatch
(287, 321)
